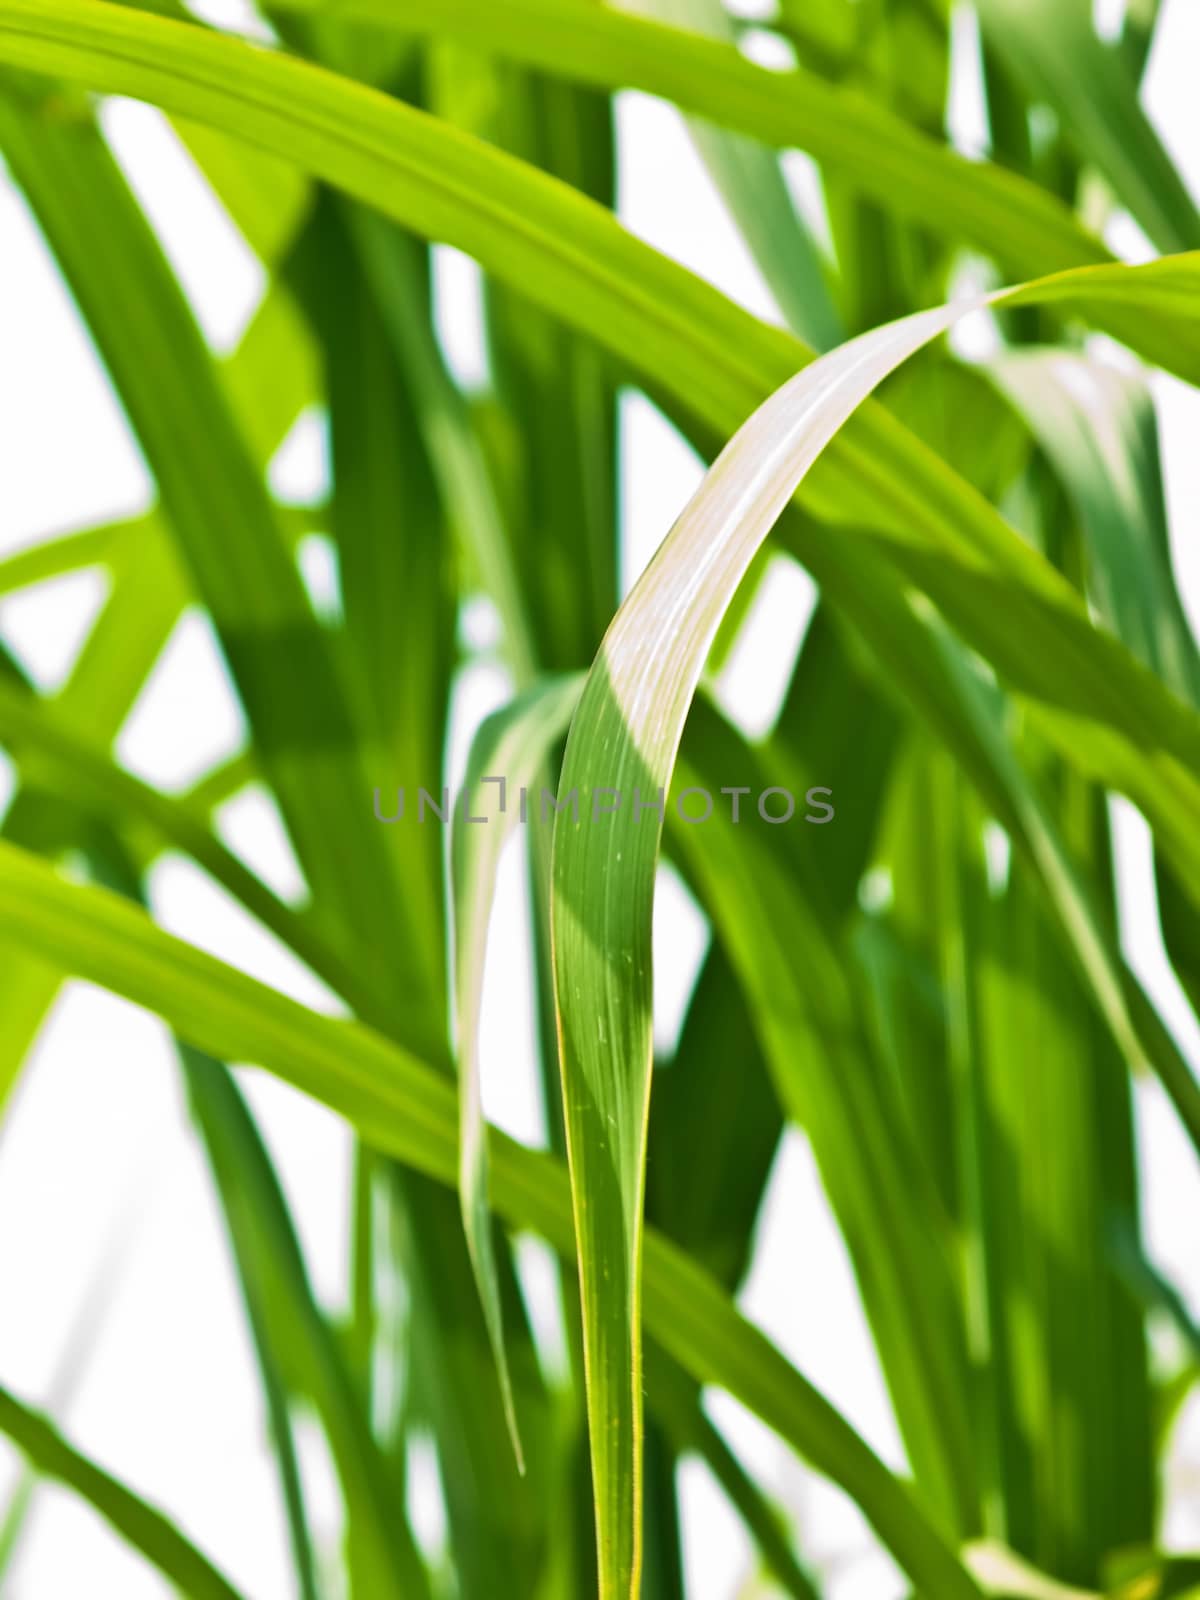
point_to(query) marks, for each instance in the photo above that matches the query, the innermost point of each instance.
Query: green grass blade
(998, 212)
(919, 659)
(625, 738)
(149, 593)
(116, 869)
(709, 1160)
(410, 1112)
(1056, 1159)
(382, 1556)
(113, 543)
(556, 393)
(72, 552)
(118, 654)
(140, 1524)
(387, 523)
(468, 494)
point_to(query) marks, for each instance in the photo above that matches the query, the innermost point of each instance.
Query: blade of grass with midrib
(506, 756)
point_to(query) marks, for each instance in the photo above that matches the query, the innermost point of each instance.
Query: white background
(108, 1233)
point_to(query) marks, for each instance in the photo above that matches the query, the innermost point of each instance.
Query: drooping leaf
(506, 757)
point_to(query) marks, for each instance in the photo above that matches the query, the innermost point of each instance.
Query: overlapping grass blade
(555, 393)
(217, 506)
(469, 497)
(387, 512)
(624, 741)
(764, 897)
(385, 518)
(63, 764)
(112, 666)
(300, 1344)
(698, 344)
(997, 211)
(1054, 48)
(929, 668)
(710, 1161)
(410, 1112)
(308, 719)
(1055, 1164)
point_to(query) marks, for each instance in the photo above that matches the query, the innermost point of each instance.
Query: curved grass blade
(625, 738)
(410, 1112)
(505, 759)
(140, 1524)
(515, 742)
